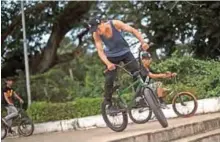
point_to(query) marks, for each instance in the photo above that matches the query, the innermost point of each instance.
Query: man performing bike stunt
(116, 51)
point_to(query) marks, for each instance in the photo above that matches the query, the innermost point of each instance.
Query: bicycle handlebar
(140, 49)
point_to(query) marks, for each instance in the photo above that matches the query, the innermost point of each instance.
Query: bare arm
(155, 76)
(18, 97)
(98, 44)
(6, 98)
(122, 26)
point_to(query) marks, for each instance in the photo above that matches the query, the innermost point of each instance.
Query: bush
(197, 76)
(57, 84)
(44, 111)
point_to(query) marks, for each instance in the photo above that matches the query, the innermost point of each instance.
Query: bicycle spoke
(116, 120)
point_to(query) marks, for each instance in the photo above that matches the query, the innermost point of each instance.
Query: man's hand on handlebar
(21, 101)
(111, 66)
(174, 74)
(170, 75)
(145, 46)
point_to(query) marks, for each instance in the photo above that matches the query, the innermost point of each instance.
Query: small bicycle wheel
(26, 127)
(139, 111)
(185, 104)
(118, 120)
(3, 131)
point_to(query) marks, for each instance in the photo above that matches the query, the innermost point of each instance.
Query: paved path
(105, 134)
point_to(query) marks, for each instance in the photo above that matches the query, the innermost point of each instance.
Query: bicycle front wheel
(185, 104)
(154, 105)
(117, 121)
(26, 127)
(3, 131)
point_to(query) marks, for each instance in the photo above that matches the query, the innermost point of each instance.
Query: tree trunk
(48, 57)
(71, 15)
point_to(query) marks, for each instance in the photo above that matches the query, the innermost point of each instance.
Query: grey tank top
(116, 45)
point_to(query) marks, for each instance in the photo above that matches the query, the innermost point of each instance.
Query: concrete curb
(209, 136)
(176, 132)
(204, 106)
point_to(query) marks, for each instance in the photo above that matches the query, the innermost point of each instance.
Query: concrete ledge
(204, 106)
(173, 133)
(210, 138)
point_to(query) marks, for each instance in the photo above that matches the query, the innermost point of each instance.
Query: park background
(66, 74)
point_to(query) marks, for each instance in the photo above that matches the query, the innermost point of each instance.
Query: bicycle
(149, 101)
(24, 122)
(183, 99)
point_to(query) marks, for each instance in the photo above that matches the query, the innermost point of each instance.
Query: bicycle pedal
(12, 133)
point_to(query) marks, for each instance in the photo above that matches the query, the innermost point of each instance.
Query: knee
(16, 112)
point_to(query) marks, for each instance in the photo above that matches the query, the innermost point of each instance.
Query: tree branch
(17, 20)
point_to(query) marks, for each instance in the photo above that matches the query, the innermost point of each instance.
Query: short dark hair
(10, 78)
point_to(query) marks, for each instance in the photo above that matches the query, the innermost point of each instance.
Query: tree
(166, 22)
(162, 22)
(54, 18)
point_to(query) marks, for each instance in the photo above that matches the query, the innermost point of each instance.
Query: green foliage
(57, 85)
(164, 22)
(194, 75)
(197, 76)
(44, 111)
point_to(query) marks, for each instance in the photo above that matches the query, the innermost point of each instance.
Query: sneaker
(11, 131)
(163, 105)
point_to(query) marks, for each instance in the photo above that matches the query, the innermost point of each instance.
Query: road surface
(105, 134)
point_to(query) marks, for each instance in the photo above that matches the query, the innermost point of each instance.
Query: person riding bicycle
(156, 86)
(7, 101)
(116, 50)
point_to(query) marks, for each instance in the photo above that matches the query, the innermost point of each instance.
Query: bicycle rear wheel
(154, 105)
(139, 111)
(116, 121)
(185, 104)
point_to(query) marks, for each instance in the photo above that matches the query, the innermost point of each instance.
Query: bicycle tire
(4, 128)
(174, 102)
(30, 123)
(154, 105)
(139, 121)
(109, 124)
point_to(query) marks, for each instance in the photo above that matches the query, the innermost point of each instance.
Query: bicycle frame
(173, 89)
(139, 82)
(121, 92)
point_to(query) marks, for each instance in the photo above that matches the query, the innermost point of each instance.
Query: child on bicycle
(7, 102)
(149, 74)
